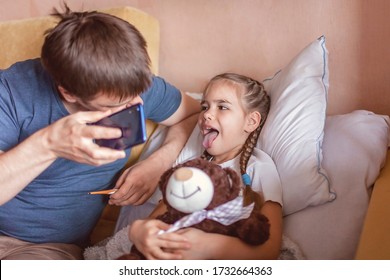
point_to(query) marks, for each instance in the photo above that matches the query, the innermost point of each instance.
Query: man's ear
(253, 121)
(67, 95)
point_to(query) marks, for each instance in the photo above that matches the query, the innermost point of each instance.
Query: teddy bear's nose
(183, 174)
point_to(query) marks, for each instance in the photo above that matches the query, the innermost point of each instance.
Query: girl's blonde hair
(254, 98)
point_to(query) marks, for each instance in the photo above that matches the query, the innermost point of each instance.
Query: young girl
(234, 109)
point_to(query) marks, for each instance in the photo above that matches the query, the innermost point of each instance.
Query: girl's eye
(203, 107)
(220, 107)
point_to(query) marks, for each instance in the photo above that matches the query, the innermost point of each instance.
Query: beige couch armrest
(375, 239)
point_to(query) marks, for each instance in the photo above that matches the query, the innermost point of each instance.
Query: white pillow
(357, 141)
(294, 130)
(355, 148)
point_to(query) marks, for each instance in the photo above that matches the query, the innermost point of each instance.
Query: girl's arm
(144, 235)
(195, 244)
(216, 246)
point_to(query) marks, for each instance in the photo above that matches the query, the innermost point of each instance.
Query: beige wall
(201, 38)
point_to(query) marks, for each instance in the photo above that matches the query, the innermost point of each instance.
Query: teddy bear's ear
(164, 179)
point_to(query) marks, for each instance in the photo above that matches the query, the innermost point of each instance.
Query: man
(92, 65)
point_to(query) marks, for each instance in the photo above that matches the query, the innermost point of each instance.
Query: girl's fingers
(161, 255)
(174, 237)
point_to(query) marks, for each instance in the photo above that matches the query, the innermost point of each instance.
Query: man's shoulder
(22, 70)
(156, 85)
(25, 64)
(26, 82)
(161, 100)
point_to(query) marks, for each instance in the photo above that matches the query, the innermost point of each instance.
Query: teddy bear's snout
(183, 174)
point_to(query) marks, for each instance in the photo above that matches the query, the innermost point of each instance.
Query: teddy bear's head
(199, 184)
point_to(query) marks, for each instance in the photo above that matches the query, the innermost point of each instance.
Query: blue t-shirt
(55, 206)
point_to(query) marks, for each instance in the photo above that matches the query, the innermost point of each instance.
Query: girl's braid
(255, 99)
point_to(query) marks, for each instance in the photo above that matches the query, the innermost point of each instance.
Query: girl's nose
(208, 116)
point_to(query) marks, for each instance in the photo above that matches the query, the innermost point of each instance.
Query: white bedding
(354, 151)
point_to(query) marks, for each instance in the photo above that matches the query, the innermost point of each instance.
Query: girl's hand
(144, 235)
(201, 248)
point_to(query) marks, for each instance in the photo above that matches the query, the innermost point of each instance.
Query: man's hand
(72, 138)
(137, 183)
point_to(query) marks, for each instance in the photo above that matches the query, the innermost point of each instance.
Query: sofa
(319, 227)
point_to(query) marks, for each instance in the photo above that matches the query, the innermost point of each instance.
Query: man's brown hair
(92, 52)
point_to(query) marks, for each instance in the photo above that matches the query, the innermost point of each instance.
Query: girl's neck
(225, 157)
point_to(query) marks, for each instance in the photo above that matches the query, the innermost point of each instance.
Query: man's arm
(69, 138)
(20, 165)
(139, 182)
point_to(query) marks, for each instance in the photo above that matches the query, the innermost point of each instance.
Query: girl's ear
(67, 95)
(253, 121)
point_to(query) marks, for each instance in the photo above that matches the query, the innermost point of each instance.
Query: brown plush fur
(227, 185)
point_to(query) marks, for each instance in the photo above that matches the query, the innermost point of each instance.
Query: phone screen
(131, 121)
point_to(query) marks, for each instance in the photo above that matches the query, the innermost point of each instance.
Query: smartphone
(131, 121)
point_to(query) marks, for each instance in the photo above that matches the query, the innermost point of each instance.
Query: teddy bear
(203, 195)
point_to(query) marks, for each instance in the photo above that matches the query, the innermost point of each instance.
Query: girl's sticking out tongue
(209, 138)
